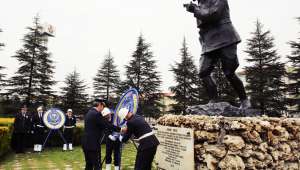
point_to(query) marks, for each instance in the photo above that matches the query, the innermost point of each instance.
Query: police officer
(39, 129)
(112, 144)
(69, 126)
(219, 41)
(21, 127)
(94, 125)
(137, 126)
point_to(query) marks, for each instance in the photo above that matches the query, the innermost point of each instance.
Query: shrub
(5, 137)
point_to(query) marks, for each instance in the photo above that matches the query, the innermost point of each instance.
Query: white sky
(87, 29)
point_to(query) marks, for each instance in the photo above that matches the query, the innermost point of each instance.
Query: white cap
(123, 113)
(105, 112)
(40, 108)
(70, 110)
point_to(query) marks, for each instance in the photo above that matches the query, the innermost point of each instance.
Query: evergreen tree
(74, 94)
(225, 90)
(2, 76)
(265, 73)
(294, 77)
(186, 77)
(107, 79)
(142, 74)
(34, 78)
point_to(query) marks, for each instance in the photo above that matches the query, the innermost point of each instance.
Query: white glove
(111, 137)
(120, 138)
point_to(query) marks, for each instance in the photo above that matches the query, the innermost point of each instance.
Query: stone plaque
(176, 149)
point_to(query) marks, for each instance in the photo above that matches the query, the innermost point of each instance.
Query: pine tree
(265, 73)
(142, 74)
(294, 77)
(2, 76)
(34, 78)
(74, 94)
(107, 79)
(186, 78)
(225, 90)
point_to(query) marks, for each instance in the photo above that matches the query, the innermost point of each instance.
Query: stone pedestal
(241, 143)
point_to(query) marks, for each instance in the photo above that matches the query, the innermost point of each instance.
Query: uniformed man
(112, 143)
(69, 126)
(137, 126)
(21, 127)
(219, 41)
(39, 130)
(94, 126)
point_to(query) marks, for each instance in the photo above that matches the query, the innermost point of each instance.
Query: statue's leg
(230, 63)
(207, 64)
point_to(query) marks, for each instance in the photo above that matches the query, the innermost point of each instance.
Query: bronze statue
(219, 41)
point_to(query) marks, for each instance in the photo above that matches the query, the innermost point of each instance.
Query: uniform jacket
(137, 126)
(216, 29)
(70, 122)
(39, 126)
(22, 123)
(94, 126)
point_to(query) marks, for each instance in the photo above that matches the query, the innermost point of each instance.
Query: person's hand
(120, 138)
(124, 130)
(111, 137)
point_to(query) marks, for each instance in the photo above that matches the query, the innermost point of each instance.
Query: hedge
(5, 137)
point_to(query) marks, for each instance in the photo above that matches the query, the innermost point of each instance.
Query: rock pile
(242, 143)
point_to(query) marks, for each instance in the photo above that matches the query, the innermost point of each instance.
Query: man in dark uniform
(137, 126)
(94, 125)
(113, 145)
(21, 126)
(69, 126)
(39, 129)
(219, 41)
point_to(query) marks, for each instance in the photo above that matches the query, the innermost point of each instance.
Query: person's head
(99, 104)
(106, 113)
(124, 113)
(24, 109)
(69, 112)
(40, 109)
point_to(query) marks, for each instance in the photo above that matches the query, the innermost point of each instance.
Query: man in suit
(94, 126)
(69, 126)
(219, 41)
(39, 130)
(137, 126)
(21, 126)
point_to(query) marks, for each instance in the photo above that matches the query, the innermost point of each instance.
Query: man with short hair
(94, 126)
(21, 125)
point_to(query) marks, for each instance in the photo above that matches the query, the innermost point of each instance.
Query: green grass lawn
(56, 159)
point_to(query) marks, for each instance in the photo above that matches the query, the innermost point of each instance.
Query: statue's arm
(212, 12)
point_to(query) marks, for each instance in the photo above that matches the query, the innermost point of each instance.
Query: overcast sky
(87, 29)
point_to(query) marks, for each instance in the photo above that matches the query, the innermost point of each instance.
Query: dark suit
(137, 126)
(94, 125)
(21, 127)
(69, 126)
(112, 147)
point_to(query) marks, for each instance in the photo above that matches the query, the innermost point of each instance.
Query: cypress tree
(74, 94)
(265, 73)
(186, 77)
(142, 74)
(293, 75)
(34, 78)
(107, 78)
